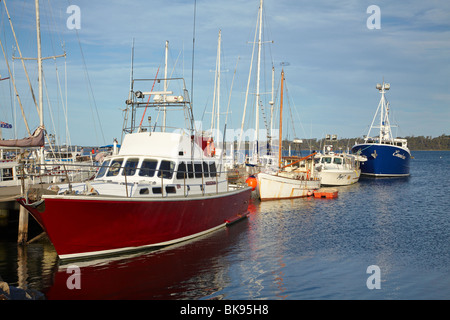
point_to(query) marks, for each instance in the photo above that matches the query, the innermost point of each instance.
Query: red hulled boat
(160, 188)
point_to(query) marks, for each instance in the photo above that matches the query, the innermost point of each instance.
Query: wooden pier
(8, 203)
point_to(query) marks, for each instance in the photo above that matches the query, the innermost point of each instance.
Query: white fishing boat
(338, 169)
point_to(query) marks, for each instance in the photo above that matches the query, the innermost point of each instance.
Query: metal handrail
(123, 172)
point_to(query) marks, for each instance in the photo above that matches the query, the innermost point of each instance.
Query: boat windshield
(166, 168)
(114, 169)
(337, 160)
(103, 169)
(326, 160)
(130, 167)
(148, 168)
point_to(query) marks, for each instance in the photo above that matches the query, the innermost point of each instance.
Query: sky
(331, 54)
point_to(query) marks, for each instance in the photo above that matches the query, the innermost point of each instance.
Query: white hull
(338, 169)
(339, 177)
(273, 187)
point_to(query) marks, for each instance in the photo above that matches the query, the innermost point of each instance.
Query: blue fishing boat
(386, 156)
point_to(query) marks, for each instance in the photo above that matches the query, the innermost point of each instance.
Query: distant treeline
(414, 143)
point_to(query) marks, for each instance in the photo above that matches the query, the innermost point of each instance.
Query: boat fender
(252, 182)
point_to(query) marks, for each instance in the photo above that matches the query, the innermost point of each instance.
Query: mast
(271, 102)
(281, 120)
(39, 60)
(385, 133)
(219, 49)
(165, 84)
(258, 78)
(215, 115)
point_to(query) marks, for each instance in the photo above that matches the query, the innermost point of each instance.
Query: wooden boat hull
(272, 187)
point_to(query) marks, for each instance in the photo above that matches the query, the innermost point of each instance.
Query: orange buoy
(252, 182)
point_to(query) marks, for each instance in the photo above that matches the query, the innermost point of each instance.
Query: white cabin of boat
(158, 164)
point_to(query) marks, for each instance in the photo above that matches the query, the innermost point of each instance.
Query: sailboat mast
(280, 147)
(165, 83)
(40, 78)
(271, 102)
(258, 77)
(382, 114)
(39, 60)
(219, 49)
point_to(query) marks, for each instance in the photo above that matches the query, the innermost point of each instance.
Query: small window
(206, 170)
(148, 168)
(166, 168)
(326, 160)
(144, 191)
(190, 170)
(6, 174)
(171, 189)
(198, 170)
(212, 169)
(130, 167)
(156, 190)
(181, 172)
(103, 169)
(337, 160)
(114, 169)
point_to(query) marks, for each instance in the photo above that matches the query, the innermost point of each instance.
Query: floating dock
(326, 193)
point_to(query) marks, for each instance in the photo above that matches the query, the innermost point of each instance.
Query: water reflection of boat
(190, 270)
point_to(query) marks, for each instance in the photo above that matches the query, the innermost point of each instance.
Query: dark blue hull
(383, 159)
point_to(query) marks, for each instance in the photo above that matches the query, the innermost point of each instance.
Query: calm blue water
(291, 249)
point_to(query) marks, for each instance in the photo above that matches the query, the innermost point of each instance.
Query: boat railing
(82, 173)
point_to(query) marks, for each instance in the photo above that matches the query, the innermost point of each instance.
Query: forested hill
(414, 143)
(428, 143)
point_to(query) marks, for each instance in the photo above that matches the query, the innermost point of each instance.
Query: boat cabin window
(190, 167)
(114, 169)
(326, 160)
(212, 169)
(148, 168)
(181, 172)
(166, 168)
(198, 170)
(103, 169)
(206, 170)
(130, 167)
(6, 174)
(337, 160)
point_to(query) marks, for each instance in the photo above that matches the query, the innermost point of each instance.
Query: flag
(5, 125)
